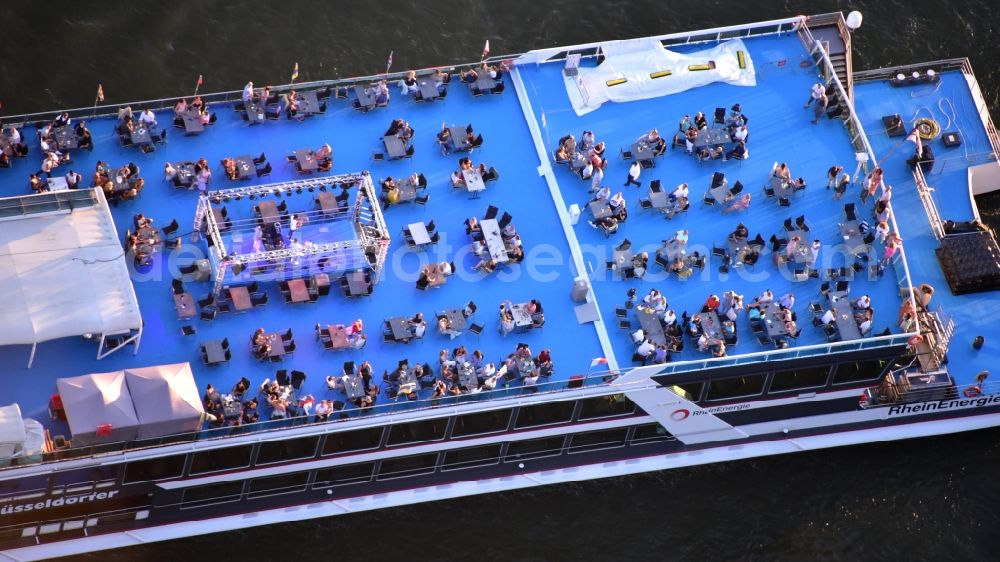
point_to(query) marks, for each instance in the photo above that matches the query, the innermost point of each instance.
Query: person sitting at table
(469, 76)
(444, 327)
(862, 303)
(382, 93)
(147, 118)
(617, 204)
(324, 157)
(740, 134)
(711, 304)
(598, 151)
(700, 122)
(655, 300)
(739, 234)
(739, 151)
(639, 263)
(568, 145)
(710, 153)
(408, 85)
(782, 172)
(36, 184)
(464, 163)
(444, 140)
(718, 348)
(418, 325)
(61, 120)
(690, 137)
(741, 204)
(180, 108)
(5, 157)
(229, 165)
(655, 141)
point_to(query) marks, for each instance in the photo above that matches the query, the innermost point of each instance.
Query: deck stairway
(832, 32)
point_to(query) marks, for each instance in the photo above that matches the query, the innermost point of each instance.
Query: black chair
(298, 377)
(850, 212)
(655, 186)
(800, 221)
(505, 220)
(348, 367)
(788, 225)
(259, 299)
(188, 269)
(207, 301)
(491, 213)
(422, 199)
(178, 286)
(843, 286)
(718, 179)
(208, 314)
(260, 159)
(476, 328)
(737, 188)
(720, 115)
(281, 377)
(265, 171)
(662, 262)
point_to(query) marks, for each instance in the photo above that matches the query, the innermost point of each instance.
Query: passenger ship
(118, 450)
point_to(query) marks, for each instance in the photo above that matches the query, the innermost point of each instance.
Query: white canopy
(98, 408)
(12, 432)
(165, 398)
(62, 269)
(638, 69)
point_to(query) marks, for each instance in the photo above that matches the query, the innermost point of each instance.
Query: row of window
(437, 429)
(789, 380)
(414, 465)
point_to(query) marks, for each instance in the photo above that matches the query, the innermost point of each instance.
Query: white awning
(62, 269)
(638, 69)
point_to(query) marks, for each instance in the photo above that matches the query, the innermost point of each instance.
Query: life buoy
(915, 341)
(927, 128)
(972, 391)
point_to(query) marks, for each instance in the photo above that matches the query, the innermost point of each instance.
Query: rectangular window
(425, 430)
(735, 387)
(407, 466)
(212, 494)
(289, 449)
(472, 456)
(221, 459)
(281, 484)
(859, 371)
(357, 440)
(650, 432)
(154, 469)
(481, 422)
(803, 377)
(341, 475)
(544, 414)
(688, 391)
(534, 448)
(604, 439)
(606, 406)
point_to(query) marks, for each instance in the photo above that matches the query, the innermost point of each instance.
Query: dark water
(926, 499)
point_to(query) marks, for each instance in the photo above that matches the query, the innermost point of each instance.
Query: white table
(473, 180)
(58, 184)
(419, 234)
(494, 242)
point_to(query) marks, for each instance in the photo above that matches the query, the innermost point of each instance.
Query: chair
(621, 313)
(737, 188)
(208, 314)
(800, 221)
(261, 159)
(655, 186)
(764, 339)
(662, 262)
(719, 251)
(505, 220)
(258, 299)
(625, 324)
(431, 226)
(494, 175)
(421, 180)
(645, 203)
(178, 286)
(625, 246)
(422, 199)
(476, 328)
(188, 269)
(281, 377)
(720, 115)
(784, 202)
(718, 180)
(850, 212)
(843, 286)
(768, 191)
(491, 213)
(209, 300)
(265, 171)
(625, 154)
(707, 199)
(471, 306)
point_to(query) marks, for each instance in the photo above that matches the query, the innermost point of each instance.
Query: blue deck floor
(951, 195)
(779, 131)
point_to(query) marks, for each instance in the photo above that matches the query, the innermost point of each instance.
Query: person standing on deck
(633, 174)
(818, 91)
(820, 108)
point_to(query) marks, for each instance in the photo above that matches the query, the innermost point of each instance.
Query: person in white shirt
(865, 327)
(633, 174)
(645, 350)
(740, 134)
(586, 142)
(602, 194)
(818, 91)
(596, 178)
(863, 303)
(827, 317)
(669, 318)
(886, 193)
(814, 251)
(617, 201)
(73, 179)
(587, 171)
(248, 92)
(148, 118)
(765, 298)
(680, 192)
(787, 300)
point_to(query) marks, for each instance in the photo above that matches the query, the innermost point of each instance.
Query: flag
(295, 72)
(598, 361)
(200, 81)
(389, 62)
(100, 92)
(914, 137)
(486, 49)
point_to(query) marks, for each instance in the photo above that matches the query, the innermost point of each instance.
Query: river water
(936, 498)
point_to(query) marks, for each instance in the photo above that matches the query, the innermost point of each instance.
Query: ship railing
(400, 404)
(786, 354)
(861, 145)
(927, 200)
(877, 397)
(942, 165)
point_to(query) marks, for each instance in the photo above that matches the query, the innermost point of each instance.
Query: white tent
(12, 432)
(638, 69)
(165, 398)
(98, 408)
(62, 269)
